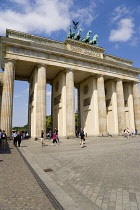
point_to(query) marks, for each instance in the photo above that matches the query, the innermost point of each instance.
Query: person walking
(4, 139)
(81, 134)
(0, 137)
(54, 139)
(18, 138)
(15, 138)
(42, 135)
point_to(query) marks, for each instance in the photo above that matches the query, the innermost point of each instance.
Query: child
(54, 138)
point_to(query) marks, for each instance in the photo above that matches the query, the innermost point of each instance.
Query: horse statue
(87, 37)
(70, 34)
(94, 40)
(78, 36)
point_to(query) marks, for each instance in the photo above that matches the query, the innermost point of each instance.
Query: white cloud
(48, 93)
(119, 12)
(116, 46)
(17, 96)
(20, 2)
(42, 16)
(134, 42)
(26, 91)
(86, 15)
(124, 32)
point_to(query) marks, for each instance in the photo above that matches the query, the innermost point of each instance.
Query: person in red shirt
(54, 139)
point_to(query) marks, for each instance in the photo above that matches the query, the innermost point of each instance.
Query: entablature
(36, 52)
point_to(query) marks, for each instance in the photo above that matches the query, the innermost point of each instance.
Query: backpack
(3, 135)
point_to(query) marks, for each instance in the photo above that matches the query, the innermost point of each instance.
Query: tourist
(132, 132)
(81, 134)
(0, 136)
(56, 131)
(18, 138)
(4, 139)
(50, 134)
(54, 139)
(27, 135)
(42, 134)
(14, 138)
(136, 132)
(127, 133)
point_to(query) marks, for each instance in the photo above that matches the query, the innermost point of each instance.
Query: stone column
(136, 99)
(52, 128)
(41, 101)
(70, 109)
(114, 107)
(29, 111)
(101, 106)
(7, 97)
(79, 111)
(120, 107)
(0, 101)
(131, 107)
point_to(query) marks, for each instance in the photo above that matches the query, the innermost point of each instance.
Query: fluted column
(0, 102)
(101, 106)
(7, 97)
(41, 101)
(79, 111)
(29, 111)
(120, 106)
(131, 107)
(136, 99)
(70, 109)
(114, 107)
(52, 128)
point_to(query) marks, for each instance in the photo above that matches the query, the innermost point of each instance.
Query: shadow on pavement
(7, 150)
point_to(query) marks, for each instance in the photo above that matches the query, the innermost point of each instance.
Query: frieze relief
(33, 53)
(85, 51)
(22, 51)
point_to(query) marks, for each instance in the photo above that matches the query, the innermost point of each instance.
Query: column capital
(119, 80)
(6, 60)
(69, 70)
(135, 82)
(39, 65)
(100, 75)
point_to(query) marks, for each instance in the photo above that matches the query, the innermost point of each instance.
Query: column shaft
(114, 107)
(0, 102)
(41, 101)
(79, 111)
(70, 109)
(101, 106)
(131, 107)
(7, 97)
(136, 99)
(120, 107)
(29, 112)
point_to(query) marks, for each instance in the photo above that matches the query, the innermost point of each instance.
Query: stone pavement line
(59, 194)
(47, 192)
(18, 188)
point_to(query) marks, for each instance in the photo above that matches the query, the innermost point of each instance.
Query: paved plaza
(104, 175)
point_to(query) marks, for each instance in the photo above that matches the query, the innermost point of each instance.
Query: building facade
(108, 93)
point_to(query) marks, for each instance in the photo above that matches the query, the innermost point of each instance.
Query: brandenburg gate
(108, 93)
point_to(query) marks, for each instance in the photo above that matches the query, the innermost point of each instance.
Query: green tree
(48, 123)
(16, 128)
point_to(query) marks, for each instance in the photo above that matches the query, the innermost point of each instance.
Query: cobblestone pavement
(18, 187)
(105, 174)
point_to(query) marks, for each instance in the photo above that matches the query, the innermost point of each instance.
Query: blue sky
(117, 23)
